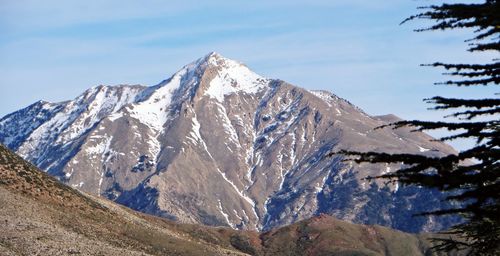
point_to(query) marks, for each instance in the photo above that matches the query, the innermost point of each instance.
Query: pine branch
(471, 114)
(472, 74)
(447, 103)
(430, 125)
(458, 67)
(484, 81)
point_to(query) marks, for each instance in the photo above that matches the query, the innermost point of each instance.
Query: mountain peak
(224, 76)
(217, 60)
(215, 56)
(230, 76)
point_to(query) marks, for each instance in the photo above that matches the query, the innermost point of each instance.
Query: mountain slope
(220, 145)
(40, 216)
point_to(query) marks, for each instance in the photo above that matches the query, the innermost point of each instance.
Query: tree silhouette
(470, 178)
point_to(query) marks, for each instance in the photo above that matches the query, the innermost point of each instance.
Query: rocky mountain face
(220, 145)
(41, 216)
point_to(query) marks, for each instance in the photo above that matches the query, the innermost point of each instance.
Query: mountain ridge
(218, 144)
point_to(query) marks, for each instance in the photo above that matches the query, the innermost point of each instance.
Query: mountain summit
(220, 145)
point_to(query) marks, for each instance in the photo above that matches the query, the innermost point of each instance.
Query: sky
(53, 50)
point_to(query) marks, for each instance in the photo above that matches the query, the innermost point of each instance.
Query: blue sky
(54, 50)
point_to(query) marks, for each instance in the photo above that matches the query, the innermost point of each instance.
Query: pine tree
(471, 177)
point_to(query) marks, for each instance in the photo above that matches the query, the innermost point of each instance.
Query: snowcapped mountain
(220, 145)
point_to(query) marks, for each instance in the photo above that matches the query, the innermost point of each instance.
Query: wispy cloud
(53, 50)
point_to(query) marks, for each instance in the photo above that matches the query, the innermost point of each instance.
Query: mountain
(40, 216)
(218, 144)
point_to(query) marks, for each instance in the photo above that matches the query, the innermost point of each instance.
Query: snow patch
(240, 193)
(421, 149)
(325, 96)
(226, 216)
(387, 169)
(94, 105)
(195, 135)
(228, 127)
(101, 149)
(153, 110)
(232, 77)
(114, 116)
(79, 185)
(320, 185)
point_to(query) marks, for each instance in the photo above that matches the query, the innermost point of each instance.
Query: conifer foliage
(470, 178)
